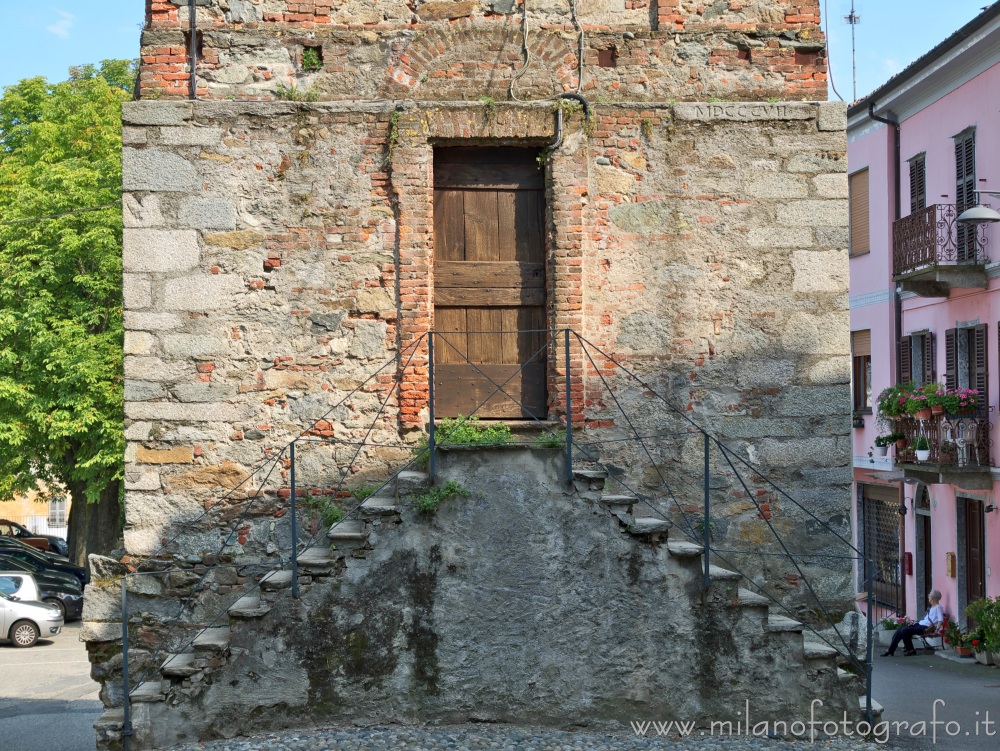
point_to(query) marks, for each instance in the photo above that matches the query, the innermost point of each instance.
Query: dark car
(15, 530)
(43, 563)
(24, 586)
(55, 578)
(11, 542)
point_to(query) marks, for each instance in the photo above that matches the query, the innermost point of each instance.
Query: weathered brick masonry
(279, 253)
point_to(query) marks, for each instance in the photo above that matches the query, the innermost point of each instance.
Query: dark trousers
(906, 634)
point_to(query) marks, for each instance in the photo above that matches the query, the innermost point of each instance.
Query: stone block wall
(465, 49)
(279, 255)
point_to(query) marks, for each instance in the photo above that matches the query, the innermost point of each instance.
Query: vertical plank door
(489, 283)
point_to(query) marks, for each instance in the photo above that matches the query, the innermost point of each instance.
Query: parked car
(13, 542)
(56, 578)
(17, 531)
(39, 561)
(23, 586)
(22, 622)
(35, 541)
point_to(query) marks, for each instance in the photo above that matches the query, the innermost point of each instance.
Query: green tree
(61, 397)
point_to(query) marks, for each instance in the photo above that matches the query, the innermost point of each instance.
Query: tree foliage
(61, 330)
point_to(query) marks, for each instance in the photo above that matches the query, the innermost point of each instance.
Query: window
(857, 186)
(965, 358)
(861, 371)
(57, 511)
(881, 540)
(917, 358)
(918, 184)
(965, 186)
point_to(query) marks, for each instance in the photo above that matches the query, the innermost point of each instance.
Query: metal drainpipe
(193, 49)
(897, 206)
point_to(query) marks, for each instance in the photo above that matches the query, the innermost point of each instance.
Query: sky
(46, 37)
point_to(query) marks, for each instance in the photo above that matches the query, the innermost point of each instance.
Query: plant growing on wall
(429, 501)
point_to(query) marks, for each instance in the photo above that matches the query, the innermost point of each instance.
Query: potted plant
(958, 640)
(892, 401)
(858, 420)
(960, 401)
(917, 406)
(986, 613)
(888, 625)
(935, 392)
(882, 442)
(948, 452)
(922, 448)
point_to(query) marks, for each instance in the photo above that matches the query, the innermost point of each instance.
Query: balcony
(960, 451)
(931, 253)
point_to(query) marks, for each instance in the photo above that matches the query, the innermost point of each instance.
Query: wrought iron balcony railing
(932, 237)
(960, 441)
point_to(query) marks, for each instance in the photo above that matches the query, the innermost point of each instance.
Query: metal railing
(961, 441)
(657, 442)
(932, 237)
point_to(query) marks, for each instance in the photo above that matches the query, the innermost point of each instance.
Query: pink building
(925, 307)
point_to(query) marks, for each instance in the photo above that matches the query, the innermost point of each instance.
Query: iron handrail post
(569, 415)
(430, 430)
(706, 528)
(193, 50)
(126, 706)
(869, 716)
(295, 530)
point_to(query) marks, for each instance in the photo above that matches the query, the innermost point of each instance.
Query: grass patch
(325, 509)
(553, 440)
(429, 500)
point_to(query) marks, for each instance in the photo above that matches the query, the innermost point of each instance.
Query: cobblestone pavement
(507, 738)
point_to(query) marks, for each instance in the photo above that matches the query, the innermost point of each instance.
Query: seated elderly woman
(928, 624)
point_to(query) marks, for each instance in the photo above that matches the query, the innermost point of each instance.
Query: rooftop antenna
(853, 19)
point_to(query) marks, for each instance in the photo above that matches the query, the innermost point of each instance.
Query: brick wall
(464, 50)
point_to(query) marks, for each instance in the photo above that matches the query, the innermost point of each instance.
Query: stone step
(410, 481)
(877, 709)
(315, 556)
(724, 574)
(276, 580)
(648, 526)
(379, 505)
(212, 640)
(149, 691)
(748, 599)
(112, 719)
(778, 624)
(817, 650)
(590, 474)
(249, 606)
(179, 665)
(684, 549)
(348, 530)
(618, 500)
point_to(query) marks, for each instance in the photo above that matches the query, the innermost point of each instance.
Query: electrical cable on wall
(829, 61)
(525, 52)
(579, 46)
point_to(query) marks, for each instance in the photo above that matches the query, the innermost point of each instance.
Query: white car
(22, 623)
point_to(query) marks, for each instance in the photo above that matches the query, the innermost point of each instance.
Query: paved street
(908, 686)
(47, 700)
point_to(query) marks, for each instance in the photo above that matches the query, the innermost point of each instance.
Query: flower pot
(901, 444)
(984, 658)
(923, 414)
(881, 450)
(937, 409)
(885, 638)
(922, 454)
(963, 651)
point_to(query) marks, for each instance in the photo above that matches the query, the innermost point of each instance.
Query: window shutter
(979, 375)
(951, 358)
(904, 359)
(965, 186)
(928, 344)
(858, 192)
(861, 343)
(918, 184)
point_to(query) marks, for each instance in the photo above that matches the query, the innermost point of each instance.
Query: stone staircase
(759, 644)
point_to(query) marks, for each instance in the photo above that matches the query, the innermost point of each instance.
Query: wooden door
(925, 521)
(489, 283)
(975, 550)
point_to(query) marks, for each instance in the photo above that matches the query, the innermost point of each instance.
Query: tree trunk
(93, 527)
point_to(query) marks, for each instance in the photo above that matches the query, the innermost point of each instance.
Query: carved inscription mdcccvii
(744, 111)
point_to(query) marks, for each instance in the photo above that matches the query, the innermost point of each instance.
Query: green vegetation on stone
(428, 501)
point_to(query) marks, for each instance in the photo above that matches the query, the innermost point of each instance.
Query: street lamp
(980, 214)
